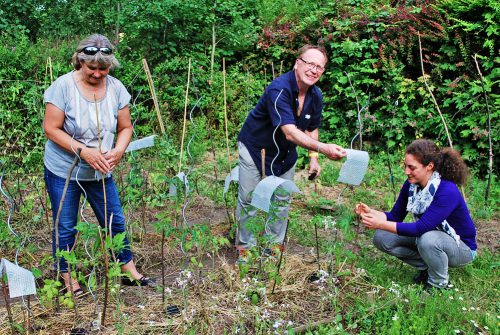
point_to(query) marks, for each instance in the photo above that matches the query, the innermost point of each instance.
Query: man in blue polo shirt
(288, 114)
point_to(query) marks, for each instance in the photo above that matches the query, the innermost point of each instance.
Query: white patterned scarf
(420, 199)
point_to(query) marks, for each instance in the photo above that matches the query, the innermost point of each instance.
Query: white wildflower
(278, 324)
(457, 331)
(395, 317)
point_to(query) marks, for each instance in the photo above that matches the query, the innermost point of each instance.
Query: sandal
(144, 281)
(76, 293)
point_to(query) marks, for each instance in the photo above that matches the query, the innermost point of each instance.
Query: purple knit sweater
(448, 204)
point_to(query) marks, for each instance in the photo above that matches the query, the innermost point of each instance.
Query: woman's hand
(373, 219)
(95, 159)
(113, 157)
(361, 208)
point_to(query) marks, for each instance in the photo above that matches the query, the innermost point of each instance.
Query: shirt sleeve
(123, 97)
(57, 93)
(444, 203)
(398, 211)
(279, 103)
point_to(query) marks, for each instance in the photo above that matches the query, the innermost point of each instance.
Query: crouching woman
(442, 234)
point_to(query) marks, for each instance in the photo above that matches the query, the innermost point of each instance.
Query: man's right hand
(332, 151)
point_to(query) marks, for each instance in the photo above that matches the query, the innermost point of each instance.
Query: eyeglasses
(312, 66)
(93, 50)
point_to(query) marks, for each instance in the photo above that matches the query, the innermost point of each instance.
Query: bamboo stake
(153, 94)
(58, 215)
(212, 54)
(225, 113)
(71, 289)
(490, 165)
(432, 95)
(435, 103)
(186, 101)
(263, 162)
(7, 305)
(209, 128)
(103, 245)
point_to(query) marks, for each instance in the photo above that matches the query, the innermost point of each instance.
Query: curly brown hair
(447, 161)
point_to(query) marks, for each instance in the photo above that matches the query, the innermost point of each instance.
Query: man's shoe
(274, 251)
(243, 257)
(421, 277)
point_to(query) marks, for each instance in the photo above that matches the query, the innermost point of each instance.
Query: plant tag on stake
(354, 168)
(143, 143)
(264, 190)
(172, 191)
(233, 176)
(21, 281)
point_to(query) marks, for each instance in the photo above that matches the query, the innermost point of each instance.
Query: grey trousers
(434, 251)
(249, 177)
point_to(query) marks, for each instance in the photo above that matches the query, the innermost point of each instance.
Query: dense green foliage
(374, 63)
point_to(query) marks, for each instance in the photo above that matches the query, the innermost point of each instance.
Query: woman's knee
(430, 240)
(381, 240)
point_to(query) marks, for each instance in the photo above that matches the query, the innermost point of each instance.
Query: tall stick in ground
(229, 163)
(58, 216)
(435, 103)
(153, 94)
(103, 244)
(432, 95)
(490, 165)
(7, 306)
(186, 101)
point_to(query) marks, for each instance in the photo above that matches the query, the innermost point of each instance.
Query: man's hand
(332, 151)
(314, 167)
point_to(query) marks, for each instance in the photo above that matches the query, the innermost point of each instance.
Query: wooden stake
(490, 165)
(263, 162)
(225, 113)
(7, 305)
(186, 100)
(153, 94)
(432, 95)
(103, 243)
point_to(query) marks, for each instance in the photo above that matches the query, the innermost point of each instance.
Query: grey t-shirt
(80, 122)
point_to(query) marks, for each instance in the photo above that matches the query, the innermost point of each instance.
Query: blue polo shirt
(277, 107)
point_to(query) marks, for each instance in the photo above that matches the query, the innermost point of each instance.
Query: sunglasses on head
(93, 50)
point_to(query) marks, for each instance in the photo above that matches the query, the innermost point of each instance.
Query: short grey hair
(99, 41)
(306, 47)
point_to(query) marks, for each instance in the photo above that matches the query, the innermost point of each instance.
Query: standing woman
(84, 110)
(443, 234)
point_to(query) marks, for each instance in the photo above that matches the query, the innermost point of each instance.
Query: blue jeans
(69, 213)
(434, 251)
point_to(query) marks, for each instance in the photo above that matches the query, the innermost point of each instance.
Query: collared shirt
(277, 107)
